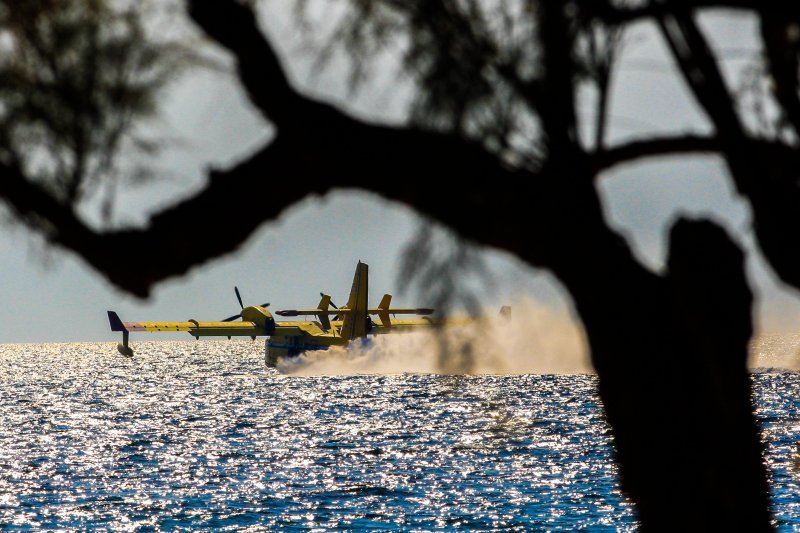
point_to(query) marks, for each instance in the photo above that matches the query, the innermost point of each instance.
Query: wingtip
(115, 323)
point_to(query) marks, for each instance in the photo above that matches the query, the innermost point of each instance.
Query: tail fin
(505, 312)
(354, 325)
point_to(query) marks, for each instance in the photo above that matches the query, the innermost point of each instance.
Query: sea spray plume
(776, 345)
(389, 354)
(539, 339)
(774, 350)
(440, 266)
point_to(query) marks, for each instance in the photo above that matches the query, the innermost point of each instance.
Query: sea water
(201, 435)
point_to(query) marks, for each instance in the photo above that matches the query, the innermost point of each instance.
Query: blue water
(201, 435)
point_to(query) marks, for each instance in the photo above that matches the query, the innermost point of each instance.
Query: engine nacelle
(260, 317)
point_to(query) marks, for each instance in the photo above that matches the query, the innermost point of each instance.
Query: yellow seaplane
(332, 327)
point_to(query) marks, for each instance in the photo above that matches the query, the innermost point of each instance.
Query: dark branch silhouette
(497, 108)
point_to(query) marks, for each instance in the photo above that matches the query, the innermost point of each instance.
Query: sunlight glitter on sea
(199, 435)
(203, 435)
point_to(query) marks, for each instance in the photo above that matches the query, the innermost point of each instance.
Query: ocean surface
(201, 435)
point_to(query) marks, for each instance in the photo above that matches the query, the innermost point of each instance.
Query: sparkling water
(198, 435)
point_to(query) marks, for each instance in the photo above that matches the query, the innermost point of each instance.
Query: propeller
(333, 304)
(238, 297)
(239, 315)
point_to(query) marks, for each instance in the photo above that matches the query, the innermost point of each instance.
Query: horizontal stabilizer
(416, 311)
(343, 311)
(402, 311)
(307, 312)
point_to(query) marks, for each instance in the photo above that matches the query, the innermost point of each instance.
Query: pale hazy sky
(50, 295)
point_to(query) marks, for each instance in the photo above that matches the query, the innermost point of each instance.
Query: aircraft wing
(199, 329)
(193, 327)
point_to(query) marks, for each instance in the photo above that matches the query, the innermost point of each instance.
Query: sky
(50, 295)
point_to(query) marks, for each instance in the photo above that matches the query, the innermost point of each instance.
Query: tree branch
(178, 238)
(558, 116)
(667, 146)
(234, 26)
(779, 34)
(611, 14)
(395, 164)
(769, 184)
(696, 61)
